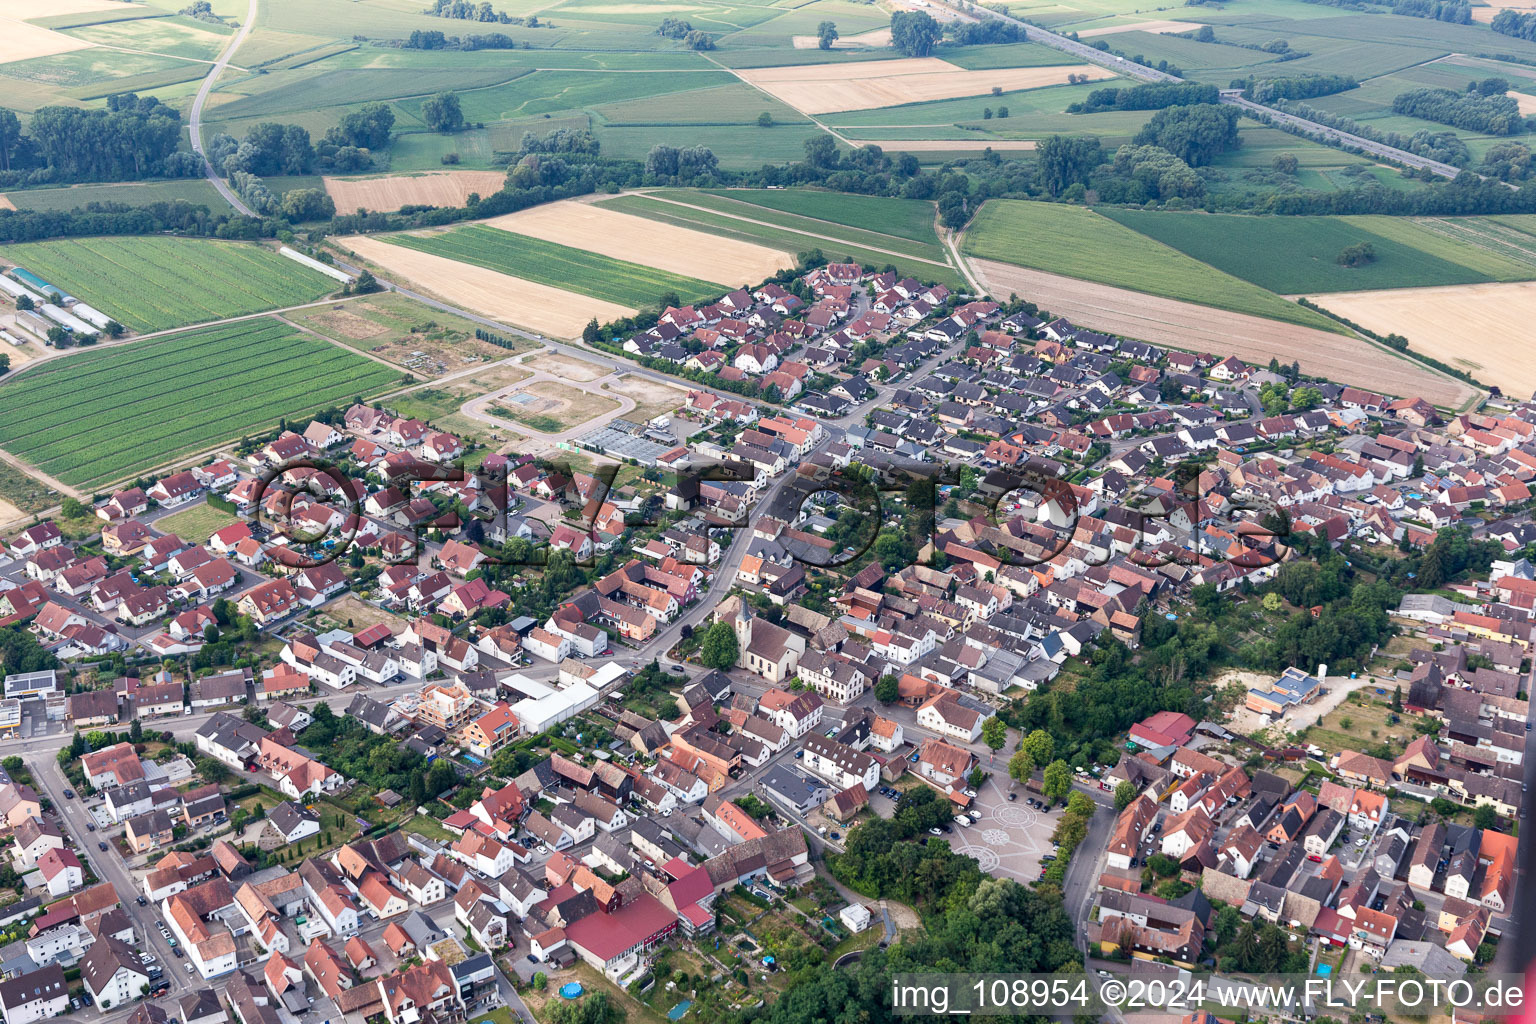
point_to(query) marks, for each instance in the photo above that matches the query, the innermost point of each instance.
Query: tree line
(1148, 96)
(1267, 90)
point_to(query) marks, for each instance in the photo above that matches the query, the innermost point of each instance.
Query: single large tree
(1056, 782)
(994, 733)
(443, 113)
(720, 649)
(1042, 749)
(826, 35)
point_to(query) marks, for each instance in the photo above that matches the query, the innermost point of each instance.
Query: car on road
(90, 826)
(102, 846)
(141, 901)
(69, 794)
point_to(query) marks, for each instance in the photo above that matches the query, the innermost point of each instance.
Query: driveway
(1010, 838)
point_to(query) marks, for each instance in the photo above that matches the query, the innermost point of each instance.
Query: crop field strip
(870, 239)
(1297, 255)
(1080, 243)
(102, 415)
(556, 265)
(152, 284)
(905, 218)
(831, 244)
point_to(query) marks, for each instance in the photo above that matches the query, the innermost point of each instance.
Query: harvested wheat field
(1185, 325)
(5, 202)
(949, 146)
(538, 307)
(873, 38)
(20, 41)
(438, 188)
(1481, 328)
(623, 236)
(1485, 12)
(830, 88)
(1526, 101)
(1158, 27)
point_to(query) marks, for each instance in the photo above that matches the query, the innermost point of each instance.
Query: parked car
(1013, 796)
(90, 826)
(934, 832)
(177, 950)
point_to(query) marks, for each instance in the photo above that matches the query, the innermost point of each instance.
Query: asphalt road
(195, 125)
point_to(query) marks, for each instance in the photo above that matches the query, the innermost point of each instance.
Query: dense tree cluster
(466, 10)
(1197, 134)
(575, 141)
(1301, 87)
(984, 31)
(1474, 110)
(1358, 255)
(1139, 173)
(434, 40)
(132, 137)
(1520, 24)
(915, 33)
(269, 148)
(681, 166)
(1457, 12)
(1149, 96)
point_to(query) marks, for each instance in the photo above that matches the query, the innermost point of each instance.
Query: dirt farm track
(1185, 325)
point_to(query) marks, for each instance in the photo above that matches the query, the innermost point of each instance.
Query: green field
(1297, 255)
(152, 284)
(558, 265)
(910, 210)
(1080, 243)
(834, 242)
(905, 218)
(103, 415)
(138, 193)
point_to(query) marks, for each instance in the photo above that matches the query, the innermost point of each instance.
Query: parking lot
(1011, 837)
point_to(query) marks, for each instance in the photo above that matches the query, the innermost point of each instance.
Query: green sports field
(1077, 242)
(107, 414)
(153, 284)
(558, 265)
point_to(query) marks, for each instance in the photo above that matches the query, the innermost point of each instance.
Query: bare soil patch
(1481, 328)
(829, 88)
(651, 398)
(570, 406)
(569, 367)
(1161, 27)
(624, 236)
(873, 38)
(437, 188)
(941, 145)
(21, 41)
(348, 324)
(541, 308)
(1185, 325)
(5, 202)
(361, 614)
(10, 513)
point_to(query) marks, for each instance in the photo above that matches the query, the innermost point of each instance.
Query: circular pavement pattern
(1016, 817)
(995, 837)
(986, 859)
